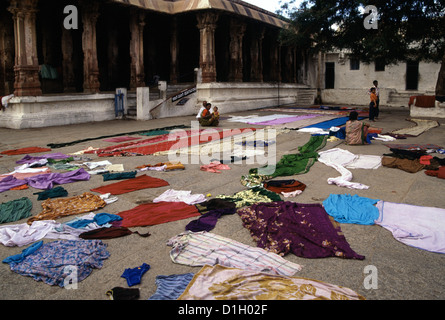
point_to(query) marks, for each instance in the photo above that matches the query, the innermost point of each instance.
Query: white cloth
(416, 226)
(338, 159)
(172, 195)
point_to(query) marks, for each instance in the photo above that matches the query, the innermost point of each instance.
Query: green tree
(396, 31)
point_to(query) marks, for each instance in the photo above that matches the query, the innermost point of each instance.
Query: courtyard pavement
(404, 272)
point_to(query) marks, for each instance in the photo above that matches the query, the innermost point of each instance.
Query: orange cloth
(373, 98)
(149, 214)
(25, 150)
(138, 183)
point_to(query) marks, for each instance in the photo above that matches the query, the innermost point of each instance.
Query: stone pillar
(90, 13)
(174, 52)
(69, 83)
(237, 30)
(207, 62)
(256, 54)
(137, 23)
(6, 54)
(26, 68)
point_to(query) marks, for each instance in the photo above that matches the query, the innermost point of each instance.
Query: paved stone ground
(403, 272)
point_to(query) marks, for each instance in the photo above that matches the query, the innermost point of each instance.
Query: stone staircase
(306, 96)
(155, 94)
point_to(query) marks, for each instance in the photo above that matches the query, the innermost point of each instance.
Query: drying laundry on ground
(15, 210)
(223, 283)
(61, 207)
(305, 230)
(186, 196)
(251, 196)
(206, 248)
(149, 214)
(421, 125)
(214, 166)
(341, 160)
(25, 150)
(288, 188)
(162, 166)
(129, 185)
(416, 226)
(170, 287)
(345, 208)
(47, 262)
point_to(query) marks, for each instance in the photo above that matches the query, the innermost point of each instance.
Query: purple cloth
(208, 220)
(10, 182)
(305, 230)
(47, 181)
(285, 120)
(31, 159)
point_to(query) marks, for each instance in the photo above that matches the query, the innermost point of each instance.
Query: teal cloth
(100, 218)
(155, 133)
(52, 193)
(345, 208)
(15, 210)
(119, 175)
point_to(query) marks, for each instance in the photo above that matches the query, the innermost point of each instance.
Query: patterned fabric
(48, 263)
(201, 248)
(56, 208)
(356, 132)
(222, 283)
(171, 287)
(303, 229)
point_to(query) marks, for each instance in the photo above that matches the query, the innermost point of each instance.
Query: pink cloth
(416, 226)
(215, 166)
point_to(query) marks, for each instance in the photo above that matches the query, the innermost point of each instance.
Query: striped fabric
(234, 6)
(171, 287)
(205, 248)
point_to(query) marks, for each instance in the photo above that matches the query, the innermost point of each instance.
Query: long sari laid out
(223, 283)
(305, 230)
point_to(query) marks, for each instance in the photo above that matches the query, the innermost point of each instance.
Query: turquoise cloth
(100, 218)
(345, 208)
(25, 252)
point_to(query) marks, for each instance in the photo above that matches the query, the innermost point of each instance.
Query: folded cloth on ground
(223, 283)
(119, 175)
(201, 248)
(110, 233)
(61, 207)
(411, 166)
(48, 262)
(345, 208)
(208, 220)
(284, 186)
(251, 196)
(138, 183)
(305, 230)
(439, 173)
(416, 226)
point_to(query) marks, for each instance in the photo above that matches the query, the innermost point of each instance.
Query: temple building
(76, 61)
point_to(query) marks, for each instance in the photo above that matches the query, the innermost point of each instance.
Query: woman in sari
(356, 131)
(207, 118)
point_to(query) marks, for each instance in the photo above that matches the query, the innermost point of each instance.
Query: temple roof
(234, 6)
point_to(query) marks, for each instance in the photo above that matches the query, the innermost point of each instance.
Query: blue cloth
(49, 262)
(134, 275)
(171, 287)
(345, 208)
(100, 218)
(331, 123)
(26, 252)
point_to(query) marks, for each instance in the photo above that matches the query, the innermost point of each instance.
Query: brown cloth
(411, 166)
(109, 233)
(279, 186)
(61, 207)
(423, 101)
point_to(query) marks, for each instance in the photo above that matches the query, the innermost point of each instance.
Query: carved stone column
(137, 23)
(26, 68)
(90, 13)
(174, 52)
(237, 30)
(256, 54)
(6, 54)
(207, 62)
